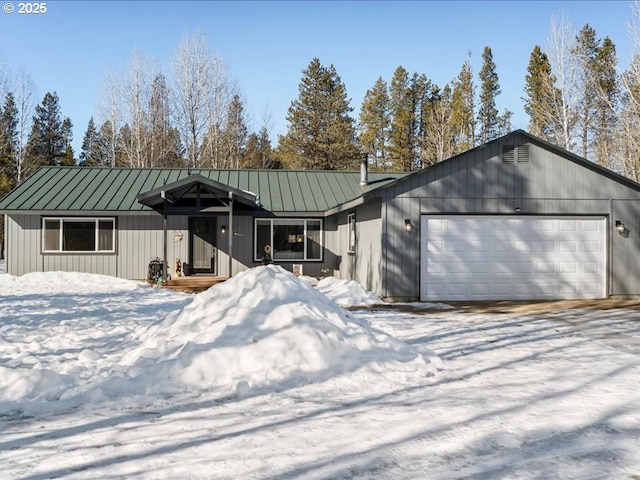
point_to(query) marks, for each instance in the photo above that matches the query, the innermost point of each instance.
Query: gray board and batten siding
(540, 179)
(83, 192)
(515, 175)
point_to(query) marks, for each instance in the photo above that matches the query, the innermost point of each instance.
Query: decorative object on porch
(178, 268)
(187, 270)
(266, 258)
(297, 269)
(155, 274)
(177, 236)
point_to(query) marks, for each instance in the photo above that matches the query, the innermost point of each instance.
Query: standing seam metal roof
(92, 189)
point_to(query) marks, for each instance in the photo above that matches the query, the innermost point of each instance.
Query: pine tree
(8, 143)
(489, 90)
(462, 109)
(8, 152)
(164, 148)
(374, 124)
(541, 97)
(49, 137)
(401, 128)
(90, 153)
(585, 52)
(234, 134)
(251, 157)
(420, 87)
(259, 152)
(67, 137)
(108, 144)
(607, 103)
(321, 133)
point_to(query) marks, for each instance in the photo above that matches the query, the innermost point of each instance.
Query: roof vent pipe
(364, 171)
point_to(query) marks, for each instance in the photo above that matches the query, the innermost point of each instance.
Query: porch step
(193, 284)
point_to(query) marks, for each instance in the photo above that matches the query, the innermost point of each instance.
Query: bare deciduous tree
(110, 113)
(26, 104)
(627, 153)
(135, 91)
(200, 95)
(561, 53)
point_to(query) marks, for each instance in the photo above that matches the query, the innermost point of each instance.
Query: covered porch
(209, 210)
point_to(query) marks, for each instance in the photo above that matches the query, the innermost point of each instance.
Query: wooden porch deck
(193, 283)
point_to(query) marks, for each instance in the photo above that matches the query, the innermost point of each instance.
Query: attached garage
(478, 257)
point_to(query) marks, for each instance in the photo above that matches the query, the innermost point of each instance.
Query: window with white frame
(288, 239)
(78, 235)
(351, 233)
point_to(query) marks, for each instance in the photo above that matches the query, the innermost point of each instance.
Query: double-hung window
(78, 235)
(288, 239)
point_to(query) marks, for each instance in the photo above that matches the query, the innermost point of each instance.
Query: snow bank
(19, 384)
(268, 329)
(346, 292)
(63, 334)
(66, 282)
(74, 339)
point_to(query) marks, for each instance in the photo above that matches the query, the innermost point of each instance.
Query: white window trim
(351, 233)
(96, 220)
(288, 260)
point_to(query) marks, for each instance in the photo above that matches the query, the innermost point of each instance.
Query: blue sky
(266, 45)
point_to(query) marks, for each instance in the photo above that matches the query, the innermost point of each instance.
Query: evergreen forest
(194, 114)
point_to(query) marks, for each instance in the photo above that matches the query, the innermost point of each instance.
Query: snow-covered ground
(265, 377)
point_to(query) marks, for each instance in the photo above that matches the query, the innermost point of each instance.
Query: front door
(202, 239)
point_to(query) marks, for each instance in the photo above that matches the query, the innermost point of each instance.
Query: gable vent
(523, 154)
(508, 153)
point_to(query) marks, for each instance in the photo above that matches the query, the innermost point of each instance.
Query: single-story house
(515, 218)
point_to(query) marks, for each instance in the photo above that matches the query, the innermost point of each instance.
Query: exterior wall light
(177, 236)
(223, 230)
(620, 227)
(407, 225)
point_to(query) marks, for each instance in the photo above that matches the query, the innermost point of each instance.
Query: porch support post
(230, 234)
(164, 237)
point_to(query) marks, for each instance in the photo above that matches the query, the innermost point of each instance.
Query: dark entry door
(202, 239)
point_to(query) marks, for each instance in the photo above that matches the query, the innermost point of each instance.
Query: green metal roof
(89, 189)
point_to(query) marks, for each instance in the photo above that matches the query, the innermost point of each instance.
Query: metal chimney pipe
(364, 171)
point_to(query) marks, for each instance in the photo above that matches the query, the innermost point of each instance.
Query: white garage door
(509, 258)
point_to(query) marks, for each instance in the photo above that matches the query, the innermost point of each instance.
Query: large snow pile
(264, 328)
(346, 292)
(71, 339)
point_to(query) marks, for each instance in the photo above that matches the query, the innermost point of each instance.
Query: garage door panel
(455, 267)
(567, 267)
(589, 289)
(590, 267)
(464, 257)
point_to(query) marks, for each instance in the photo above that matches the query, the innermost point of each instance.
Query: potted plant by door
(266, 258)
